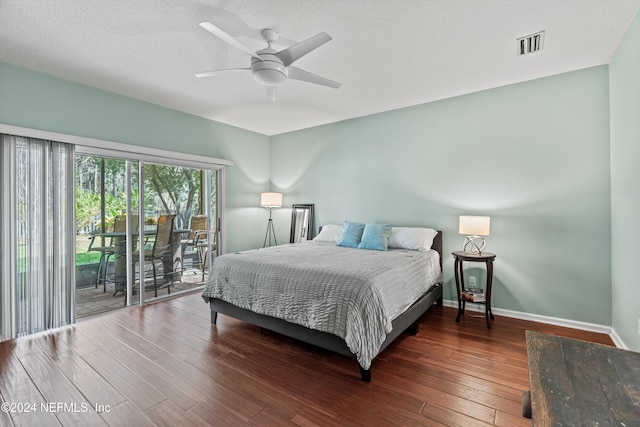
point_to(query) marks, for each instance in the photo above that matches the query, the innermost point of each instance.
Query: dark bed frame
(407, 321)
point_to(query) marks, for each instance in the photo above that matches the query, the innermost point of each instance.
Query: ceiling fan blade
(305, 76)
(228, 39)
(214, 72)
(271, 93)
(291, 54)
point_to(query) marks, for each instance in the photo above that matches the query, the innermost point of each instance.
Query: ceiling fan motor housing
(270, 71)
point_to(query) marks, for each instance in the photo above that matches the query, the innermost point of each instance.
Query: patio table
(172, 264)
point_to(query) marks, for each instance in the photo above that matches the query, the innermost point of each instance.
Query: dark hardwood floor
(166, 365)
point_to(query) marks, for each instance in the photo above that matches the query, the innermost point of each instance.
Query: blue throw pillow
(375, 237)
(351, 234)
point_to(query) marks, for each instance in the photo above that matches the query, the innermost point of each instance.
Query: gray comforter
(351, 293)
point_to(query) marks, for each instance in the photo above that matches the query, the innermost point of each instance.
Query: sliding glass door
(186, 197)
(105, 190)
(144, 230)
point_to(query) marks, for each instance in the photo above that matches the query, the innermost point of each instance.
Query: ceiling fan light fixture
(269, 77)
(270, 71)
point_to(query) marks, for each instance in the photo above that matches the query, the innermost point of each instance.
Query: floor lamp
(270, 201)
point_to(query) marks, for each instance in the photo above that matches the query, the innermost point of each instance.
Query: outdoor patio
(92, 300)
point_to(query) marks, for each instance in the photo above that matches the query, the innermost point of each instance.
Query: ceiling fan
(270, 67)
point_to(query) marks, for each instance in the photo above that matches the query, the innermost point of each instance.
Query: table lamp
(474, 227)
(270, 200)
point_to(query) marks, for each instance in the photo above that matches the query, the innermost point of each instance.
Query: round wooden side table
(487, 258)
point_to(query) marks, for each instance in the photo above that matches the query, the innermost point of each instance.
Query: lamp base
(474, 245)
(271, 233)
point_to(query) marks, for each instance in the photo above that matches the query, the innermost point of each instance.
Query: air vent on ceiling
(531, 43)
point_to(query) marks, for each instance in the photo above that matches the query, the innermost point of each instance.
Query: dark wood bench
(579, 383)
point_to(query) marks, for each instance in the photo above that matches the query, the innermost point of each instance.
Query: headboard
(437, 246)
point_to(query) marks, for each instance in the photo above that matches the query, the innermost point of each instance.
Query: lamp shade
(474, 225)
(271, 200)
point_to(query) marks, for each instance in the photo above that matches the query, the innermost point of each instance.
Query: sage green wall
(624, 79)
(534, 156)
(40, 101)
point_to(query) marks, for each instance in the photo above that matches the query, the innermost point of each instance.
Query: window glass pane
(177, 192)
(101, 205)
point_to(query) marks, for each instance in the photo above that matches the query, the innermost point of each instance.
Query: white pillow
(329, 233)
(412, 238)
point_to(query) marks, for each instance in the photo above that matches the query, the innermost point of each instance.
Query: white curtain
(37, 232)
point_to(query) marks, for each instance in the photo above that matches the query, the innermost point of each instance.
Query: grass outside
(82, 256)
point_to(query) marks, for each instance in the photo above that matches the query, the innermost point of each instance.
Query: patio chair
(207, 250)
(195, 247)
(106, 251)
(161, 250)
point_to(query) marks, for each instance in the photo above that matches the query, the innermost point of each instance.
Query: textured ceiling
(387, 54)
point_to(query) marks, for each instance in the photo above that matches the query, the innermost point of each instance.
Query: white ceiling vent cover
(531, 43)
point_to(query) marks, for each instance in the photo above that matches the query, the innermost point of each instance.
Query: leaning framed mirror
(301, 223)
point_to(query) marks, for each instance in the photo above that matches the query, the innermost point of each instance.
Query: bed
(348, 300)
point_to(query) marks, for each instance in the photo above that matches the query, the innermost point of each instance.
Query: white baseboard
(617, 340)
(574, 324)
